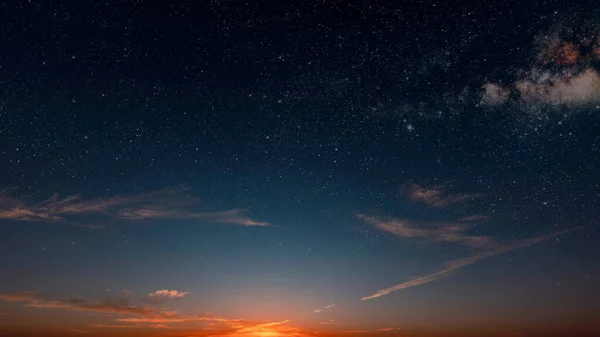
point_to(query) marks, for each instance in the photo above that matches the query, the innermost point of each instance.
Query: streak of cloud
(436, 196)
(459, 263)
(113, 326)
(108, 306)
(144, 317)
(169, 203)
(438, 232)
(473, 218)
(168, 294)
(324, 308)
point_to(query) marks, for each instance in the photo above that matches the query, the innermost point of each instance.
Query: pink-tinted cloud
(473, 218)
(324, 308)
(459, 263)
(170, 203)
(436, 196)
(108, 306)
(453, 232)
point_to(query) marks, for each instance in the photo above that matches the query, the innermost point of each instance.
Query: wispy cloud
(132, 317)
(459, 263)
(436, 196)
(168, 294)
(473, 218)
(327, 322)
(169, 203)
(437, 232)
(112, 326)
(368, 331)
(127, 314)
(108, 306)
(324, 308)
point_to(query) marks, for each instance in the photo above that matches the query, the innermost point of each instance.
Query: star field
(312, 168)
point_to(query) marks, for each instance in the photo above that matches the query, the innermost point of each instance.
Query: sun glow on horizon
(273, 329)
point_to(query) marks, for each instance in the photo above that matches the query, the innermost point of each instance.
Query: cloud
(473, 218)
(459, 263)
(113, 326)
(436, 196)
(109, 306)
(22, 296)
(132, 316)
(325, 308)
(369, 331)
(173, 318)
(169, 203)
(205, 325)
(168, 294)
(438, 232)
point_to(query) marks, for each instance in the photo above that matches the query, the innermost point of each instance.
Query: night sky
(299, 168)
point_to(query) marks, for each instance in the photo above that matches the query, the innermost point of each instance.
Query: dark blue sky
(429, 168)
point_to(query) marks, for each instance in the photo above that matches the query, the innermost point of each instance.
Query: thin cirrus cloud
(436, 196)
(460, 263)
(324, 308)
(169, 203)
(473, 218)
(107, 306)
(451, 232)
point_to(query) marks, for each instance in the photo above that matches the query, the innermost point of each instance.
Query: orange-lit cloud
(143, 317)
(113, 326)
(168, 294)
(459, 263)
(436, 196)
(170, 203)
